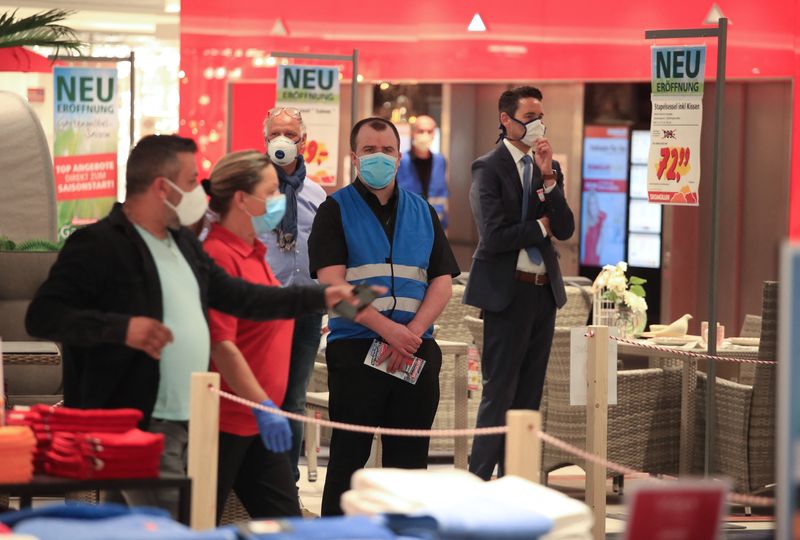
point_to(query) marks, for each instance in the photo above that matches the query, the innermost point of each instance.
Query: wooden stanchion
(203, 449)
(523, 447)
(597, 425)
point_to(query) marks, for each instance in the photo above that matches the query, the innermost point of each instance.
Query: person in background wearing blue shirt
(423, 172)
(287, 252)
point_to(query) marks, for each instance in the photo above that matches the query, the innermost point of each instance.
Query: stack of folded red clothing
(133, 454)
(17, 445)
(65, 442)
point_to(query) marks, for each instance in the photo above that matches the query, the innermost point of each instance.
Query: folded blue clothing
(483, 518)
(78, 510)
(327, 528)
(133, 526)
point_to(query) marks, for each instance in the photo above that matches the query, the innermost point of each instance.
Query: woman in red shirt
(252, 357)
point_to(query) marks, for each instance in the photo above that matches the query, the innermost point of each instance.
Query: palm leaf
(39, 29)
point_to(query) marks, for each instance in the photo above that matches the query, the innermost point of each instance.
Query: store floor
(570, 480)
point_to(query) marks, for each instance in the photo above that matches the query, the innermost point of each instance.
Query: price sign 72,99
(674, 163)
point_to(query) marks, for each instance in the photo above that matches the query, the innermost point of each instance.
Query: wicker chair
(750, 328)
(234, 511)
(451, 327)
(744, 431)
(451, 321)
(643, 428)
(576, 311)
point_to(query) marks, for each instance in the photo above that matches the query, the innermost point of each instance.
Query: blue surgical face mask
(271, 218)
(377, 170)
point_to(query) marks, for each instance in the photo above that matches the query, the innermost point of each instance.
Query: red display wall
(425, 41)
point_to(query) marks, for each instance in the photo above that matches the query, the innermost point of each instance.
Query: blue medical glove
(274, 429)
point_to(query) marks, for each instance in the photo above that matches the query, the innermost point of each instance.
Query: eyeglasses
(291, 111)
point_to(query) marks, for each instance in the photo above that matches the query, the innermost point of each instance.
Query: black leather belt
(528, 277)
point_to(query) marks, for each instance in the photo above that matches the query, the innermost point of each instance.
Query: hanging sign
(673, 167)
(85, 147)
(314, 91)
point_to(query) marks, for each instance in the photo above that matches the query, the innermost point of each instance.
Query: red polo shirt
(267, 346)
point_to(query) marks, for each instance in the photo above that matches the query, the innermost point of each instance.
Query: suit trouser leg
(413, 407)
(358, 395)
(505, 355)
(534, 364)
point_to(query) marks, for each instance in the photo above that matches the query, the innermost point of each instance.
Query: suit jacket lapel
(509, 170)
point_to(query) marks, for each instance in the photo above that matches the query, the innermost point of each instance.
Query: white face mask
(534, 130)
(282, 150)
(422, 141)
(192, 206)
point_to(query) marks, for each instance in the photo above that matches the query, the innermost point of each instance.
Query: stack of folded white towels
(466, 507)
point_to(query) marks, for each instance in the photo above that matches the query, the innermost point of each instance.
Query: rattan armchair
(451, 321)
(643, 428)
(744, 430)
(578, 307)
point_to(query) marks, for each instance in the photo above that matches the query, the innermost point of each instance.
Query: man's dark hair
(376, 123)
(509, 100)
(153, 156)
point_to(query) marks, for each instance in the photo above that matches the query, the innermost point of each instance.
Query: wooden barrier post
(203, 449)
(597, 425)
(523, 447)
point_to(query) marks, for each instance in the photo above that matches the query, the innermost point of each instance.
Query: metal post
(133, 98)
(711, 411)
(354, 88)
(721, 33)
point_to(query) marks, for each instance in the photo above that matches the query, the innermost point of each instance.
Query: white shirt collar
(516, 153)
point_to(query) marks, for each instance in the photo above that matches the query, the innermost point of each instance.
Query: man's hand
(402, 340)
(543, 155)
(147, 335)
(545, 221)
(396, 359)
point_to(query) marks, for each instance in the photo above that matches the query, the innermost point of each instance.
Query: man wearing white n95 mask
(375, 233)
(287, 252)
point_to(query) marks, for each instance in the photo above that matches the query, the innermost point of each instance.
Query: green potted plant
(42, 29)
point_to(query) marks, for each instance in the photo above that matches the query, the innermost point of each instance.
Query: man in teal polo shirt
(128, 299)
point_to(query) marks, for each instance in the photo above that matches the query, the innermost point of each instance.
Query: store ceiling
(145, 17)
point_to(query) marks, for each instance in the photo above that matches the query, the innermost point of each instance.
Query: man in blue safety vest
(374, 232)
(424, 172)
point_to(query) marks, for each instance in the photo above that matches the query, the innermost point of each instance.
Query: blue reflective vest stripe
(401, 266)
(408, 178)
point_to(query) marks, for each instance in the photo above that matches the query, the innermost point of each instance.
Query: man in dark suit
(517, 198)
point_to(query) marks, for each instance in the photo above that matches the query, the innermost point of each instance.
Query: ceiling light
(476, 24)
(714, 15)
(507, 49)
(279, 28)
(172, 6)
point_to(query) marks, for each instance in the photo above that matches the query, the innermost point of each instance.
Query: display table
(49, 486)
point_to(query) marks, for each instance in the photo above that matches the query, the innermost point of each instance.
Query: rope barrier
(678, 352)
(370, 430)
(745, 500)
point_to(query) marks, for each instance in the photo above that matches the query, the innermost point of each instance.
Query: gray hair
(265, 128)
